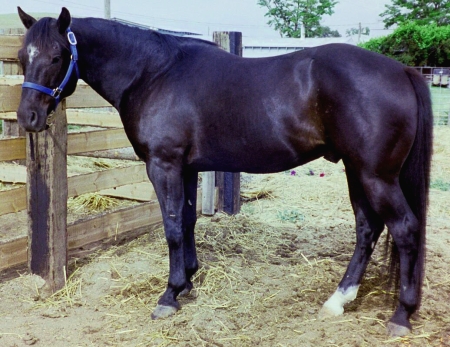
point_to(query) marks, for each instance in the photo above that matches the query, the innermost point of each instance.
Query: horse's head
(49, 68)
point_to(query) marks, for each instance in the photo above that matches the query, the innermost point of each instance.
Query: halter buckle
(71, 37)
(56, 92)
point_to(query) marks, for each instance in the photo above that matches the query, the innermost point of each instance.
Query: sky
(206, 16)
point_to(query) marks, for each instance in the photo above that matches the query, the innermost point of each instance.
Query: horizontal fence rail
(113, 225)
(123, 182)
(14, 149)
(84, 108)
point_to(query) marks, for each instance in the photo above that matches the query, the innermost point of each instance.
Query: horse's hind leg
(368, 229)
(387, 199)
(189, 220)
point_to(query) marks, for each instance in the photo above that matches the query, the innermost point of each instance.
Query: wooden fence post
(228, 183)
(47, 201)
(208, 193)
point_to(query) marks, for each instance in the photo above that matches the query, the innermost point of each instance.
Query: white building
(257, 47)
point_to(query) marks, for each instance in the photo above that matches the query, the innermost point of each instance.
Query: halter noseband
(56, 93)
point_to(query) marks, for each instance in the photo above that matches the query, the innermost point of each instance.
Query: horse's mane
(44, 32)
(172, 43)
(173, 40)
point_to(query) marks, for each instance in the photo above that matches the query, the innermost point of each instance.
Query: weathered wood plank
(12, 149)
(100, 181)
(83, 233)
(13, 252)
(111, 224)
(116, 223)
(10, 95)
(13, 200)
(11, 68)
(47, 201)
(83, 183)
(81, 117)
(97, 141)
(84, 96)
(97, 181)
(100, 119)
(9, 46)
(12, 129)
(138, 191)
(13, 173)
(8, 116)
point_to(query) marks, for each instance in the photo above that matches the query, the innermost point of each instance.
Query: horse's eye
(56, 60)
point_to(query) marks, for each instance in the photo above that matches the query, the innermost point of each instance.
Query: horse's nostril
(34, 118)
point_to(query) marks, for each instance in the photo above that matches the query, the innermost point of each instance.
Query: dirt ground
(263, 278)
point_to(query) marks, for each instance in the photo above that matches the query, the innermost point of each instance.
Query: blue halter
(56, 93)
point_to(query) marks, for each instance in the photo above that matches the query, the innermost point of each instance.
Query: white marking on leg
(373, 245)
(32, 51)
(335, 304)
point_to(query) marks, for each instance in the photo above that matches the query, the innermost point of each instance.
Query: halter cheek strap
(56, 93)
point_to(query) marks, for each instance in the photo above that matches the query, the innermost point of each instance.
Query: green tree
(415, 45)
(356, 31)
(419, 11)
(326, 32)
(287, 16)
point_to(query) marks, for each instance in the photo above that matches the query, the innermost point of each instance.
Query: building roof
(164, 31)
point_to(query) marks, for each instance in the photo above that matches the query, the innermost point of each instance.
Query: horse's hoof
(162, 311)
(396, 330)
(328, 311)
(186, 291)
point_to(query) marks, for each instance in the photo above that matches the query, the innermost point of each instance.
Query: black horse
(188, 106)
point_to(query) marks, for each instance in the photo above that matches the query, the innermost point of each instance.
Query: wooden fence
(50, 238)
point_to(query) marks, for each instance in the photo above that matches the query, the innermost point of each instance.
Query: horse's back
(269, 114)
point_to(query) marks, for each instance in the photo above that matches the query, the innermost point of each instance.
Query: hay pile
(253, 278)
(94, 203)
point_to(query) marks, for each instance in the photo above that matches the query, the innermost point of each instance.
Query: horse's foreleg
(168, 184)
(189, 220)
(368, 229)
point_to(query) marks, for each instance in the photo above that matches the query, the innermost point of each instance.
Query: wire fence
(438, 80)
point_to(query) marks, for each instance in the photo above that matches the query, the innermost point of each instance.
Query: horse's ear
(26, 19)
(64, 20)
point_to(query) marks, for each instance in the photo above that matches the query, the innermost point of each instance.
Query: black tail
(415, 174)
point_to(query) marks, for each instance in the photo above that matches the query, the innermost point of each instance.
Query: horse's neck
(106, 61)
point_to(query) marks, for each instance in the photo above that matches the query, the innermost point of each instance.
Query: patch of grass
(441, 105)
(292, 216)
(248, 209)
(74, 128)
(440, 185)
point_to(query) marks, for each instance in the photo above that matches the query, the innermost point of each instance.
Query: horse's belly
(255, 160)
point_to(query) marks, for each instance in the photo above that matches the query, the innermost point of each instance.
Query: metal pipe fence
(438, 80)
